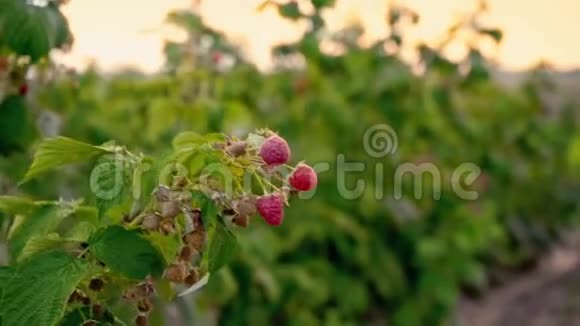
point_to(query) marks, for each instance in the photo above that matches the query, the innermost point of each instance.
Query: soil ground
(549, 295)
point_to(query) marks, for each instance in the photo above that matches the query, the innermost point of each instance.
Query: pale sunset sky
(129, 32)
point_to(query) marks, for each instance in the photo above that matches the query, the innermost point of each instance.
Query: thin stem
(82, 253)
(255, 174)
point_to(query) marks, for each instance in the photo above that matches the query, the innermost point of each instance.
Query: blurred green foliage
(337, 261)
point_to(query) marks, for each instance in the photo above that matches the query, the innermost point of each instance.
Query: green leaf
(290, 10)
(209, 210)
(319, 4)
(190, 139)
(32, 30)
(168, 245)
(185, 19)
(56, 152)
(126, 252)
(36, 292)
(221, 247)
(15, 205)
(16, 128)
(110, 182)
(494, 33)
(39, 243)
(43, 220)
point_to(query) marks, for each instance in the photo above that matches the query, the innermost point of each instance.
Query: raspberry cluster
(263, 155)
(275, 151)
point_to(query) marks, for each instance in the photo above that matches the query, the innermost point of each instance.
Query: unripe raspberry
(303, 178)
(271, 208)
(275, 151)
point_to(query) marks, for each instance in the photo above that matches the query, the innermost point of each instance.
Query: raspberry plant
(157, 225)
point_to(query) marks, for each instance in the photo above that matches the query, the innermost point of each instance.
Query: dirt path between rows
(546, 296)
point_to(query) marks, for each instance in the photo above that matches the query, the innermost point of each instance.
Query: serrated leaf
(110, 182)
(168, 245)
(39, 243)
(41, 221)
(190, 139)
(36, 292)
(126, 252)
(56, 152)
(32, 30)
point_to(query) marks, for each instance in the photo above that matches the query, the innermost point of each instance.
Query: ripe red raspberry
(303, 178)
(23, 89)
(271, 208)
(275, 151)
(216, 57)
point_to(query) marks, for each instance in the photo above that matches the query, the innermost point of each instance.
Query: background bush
(336, 261)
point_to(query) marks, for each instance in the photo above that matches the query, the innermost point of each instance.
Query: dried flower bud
(142, 320)
(86, 301)
(176, 273)
(229, 211)
(241, 220)
(151, 221)
(246, 206)
(186, 254)
(180, 181)
(192, 278)
(163, 194)
(169, 209)
(142, 290)
(183, 197)
(237, 148)
(96, 284)
(76, 296)
(98, 311)
(167, 226)
(195, 239)
(195, 215)
(145, 305)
